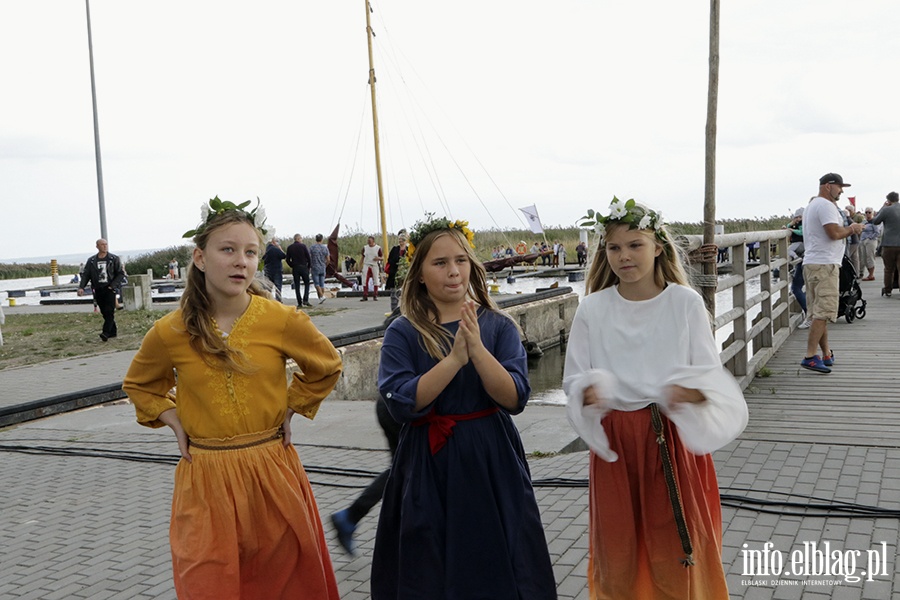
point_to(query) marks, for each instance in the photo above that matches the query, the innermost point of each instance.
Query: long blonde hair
(667, 268)
(418, 307)
(197, 307)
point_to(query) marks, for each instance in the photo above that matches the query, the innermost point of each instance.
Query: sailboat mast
(384, 238)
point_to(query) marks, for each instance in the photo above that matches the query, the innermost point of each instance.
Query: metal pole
(103, 234)
(384, 238)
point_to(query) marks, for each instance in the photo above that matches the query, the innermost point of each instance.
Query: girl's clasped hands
(467, 344)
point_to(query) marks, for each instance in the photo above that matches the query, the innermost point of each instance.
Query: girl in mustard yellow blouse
(244, 520)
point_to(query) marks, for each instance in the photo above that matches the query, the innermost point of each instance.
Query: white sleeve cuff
(587, 420)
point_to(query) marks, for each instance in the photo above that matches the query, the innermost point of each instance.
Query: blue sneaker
(814, 363)
(828, 360)
(345, 530)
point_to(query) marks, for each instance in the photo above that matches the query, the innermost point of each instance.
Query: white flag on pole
(534, 221)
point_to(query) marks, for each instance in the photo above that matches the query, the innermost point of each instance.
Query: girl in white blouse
(647, 392)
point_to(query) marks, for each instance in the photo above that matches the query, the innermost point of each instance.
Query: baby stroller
(850, 301)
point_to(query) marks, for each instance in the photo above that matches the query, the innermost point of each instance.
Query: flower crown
(216, 207)
(628, 212)
(423, 228)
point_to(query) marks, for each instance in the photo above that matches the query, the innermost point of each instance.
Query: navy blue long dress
(461, 523)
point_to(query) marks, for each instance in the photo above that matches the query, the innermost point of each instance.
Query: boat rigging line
(408, 108)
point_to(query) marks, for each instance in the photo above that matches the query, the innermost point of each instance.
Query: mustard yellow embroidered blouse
(216, 403)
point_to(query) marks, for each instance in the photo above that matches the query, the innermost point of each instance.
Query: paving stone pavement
(78, 527)
(862, 475)
(96, 527)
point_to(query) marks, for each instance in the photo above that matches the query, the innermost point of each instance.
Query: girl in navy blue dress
(459, 518)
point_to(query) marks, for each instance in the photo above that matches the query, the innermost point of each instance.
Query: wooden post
(764, 340)
(384, 239)
(709, 199)
(739, 296)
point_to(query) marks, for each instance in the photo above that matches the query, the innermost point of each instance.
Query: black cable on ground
(811, 506)
(170, 459)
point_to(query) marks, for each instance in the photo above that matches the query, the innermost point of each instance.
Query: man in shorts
(824, 233)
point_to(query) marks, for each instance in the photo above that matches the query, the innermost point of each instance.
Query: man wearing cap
(824, 233)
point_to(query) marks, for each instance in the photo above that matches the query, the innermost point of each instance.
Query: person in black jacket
(299, 261)
(273, 269)
(105, 273)
(393, 261)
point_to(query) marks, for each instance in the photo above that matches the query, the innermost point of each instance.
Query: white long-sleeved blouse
(631, 351)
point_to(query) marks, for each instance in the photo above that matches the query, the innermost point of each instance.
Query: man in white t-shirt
(823, 239)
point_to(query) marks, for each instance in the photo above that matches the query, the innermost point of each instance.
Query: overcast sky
(484, 107)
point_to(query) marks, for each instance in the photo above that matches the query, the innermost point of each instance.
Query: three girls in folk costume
(244, 520)
(459, 518)
(647, 392)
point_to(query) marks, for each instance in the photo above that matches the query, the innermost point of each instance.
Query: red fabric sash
(441, 426)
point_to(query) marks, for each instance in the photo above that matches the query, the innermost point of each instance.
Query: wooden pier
(857, 404)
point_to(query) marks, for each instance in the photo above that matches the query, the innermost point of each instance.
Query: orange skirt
(635, 550)
(245, 524)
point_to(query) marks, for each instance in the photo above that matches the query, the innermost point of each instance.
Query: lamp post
(87, 5)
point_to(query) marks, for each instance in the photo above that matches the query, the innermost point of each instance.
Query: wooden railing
(751, 344)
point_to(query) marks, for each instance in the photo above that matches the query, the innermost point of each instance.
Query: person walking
(244, 519)
(581, 253)
(105, 273)
(345, 521)
(273, 268)
(795, 252)
(371, 268)
(824, 233)
(869, 241)
(889, 216)
(299, 260)
(319, 257)
(393, 262)
(647, 391)
(459, 518)
(853, 250)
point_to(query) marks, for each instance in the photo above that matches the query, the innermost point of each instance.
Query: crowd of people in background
(309, 265)
(834, 245)
(551, 254)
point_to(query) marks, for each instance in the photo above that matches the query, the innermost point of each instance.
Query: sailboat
(332, 270)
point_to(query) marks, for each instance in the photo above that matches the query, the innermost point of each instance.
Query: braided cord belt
(255, 440)
(672, 485)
